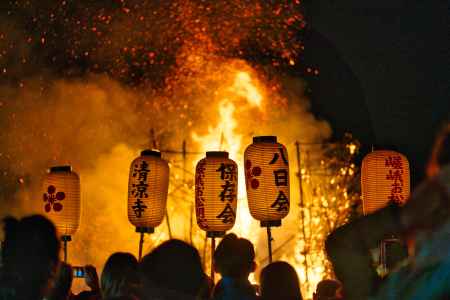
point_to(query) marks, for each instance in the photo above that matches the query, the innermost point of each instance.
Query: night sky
(396, 53)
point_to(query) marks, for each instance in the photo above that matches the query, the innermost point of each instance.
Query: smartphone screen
(78, 272)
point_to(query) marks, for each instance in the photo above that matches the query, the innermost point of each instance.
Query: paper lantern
(216, 189)
(384, 179)
(61, 195)
(267, 180)
(147, 190)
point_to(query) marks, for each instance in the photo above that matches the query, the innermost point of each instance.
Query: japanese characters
(267, 179)
(395, 172)
(216, 192)
(148, 189)
(140, 188)
(384, 180)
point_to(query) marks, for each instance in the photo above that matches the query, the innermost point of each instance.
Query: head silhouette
(30, 255)
(328, 289)
(119, 276)
(279, 281)
(176, 266)
(234, 257)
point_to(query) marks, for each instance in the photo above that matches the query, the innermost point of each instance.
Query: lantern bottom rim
(213, 234)
(145, 229)
(276, 223)
(66, 238)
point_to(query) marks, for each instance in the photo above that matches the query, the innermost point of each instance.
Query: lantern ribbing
(61, 195)
(384, 179)
(216, 193)
(267, 180)
(147, 191)
(148, 187)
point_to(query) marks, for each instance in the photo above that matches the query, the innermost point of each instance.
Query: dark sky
(396, 53)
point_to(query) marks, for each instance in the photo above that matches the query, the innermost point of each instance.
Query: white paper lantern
(147, 190)
(267, 180)
(216, 189)
(61, 195)
(384, 179)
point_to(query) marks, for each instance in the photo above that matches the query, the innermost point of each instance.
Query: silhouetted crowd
(31, 268)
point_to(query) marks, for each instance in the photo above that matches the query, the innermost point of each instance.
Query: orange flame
(224, 136)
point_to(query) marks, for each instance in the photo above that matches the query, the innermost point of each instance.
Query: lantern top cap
(61, 169)
(265, 139)
(221, 154)
(148, 152)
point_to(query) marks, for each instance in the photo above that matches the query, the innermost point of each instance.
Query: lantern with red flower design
(62, 205)
(267, 180)
(61, 199)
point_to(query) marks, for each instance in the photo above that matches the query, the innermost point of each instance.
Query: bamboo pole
(302, 205)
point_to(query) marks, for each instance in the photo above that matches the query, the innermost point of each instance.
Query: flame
(243, 86)
(224, 136)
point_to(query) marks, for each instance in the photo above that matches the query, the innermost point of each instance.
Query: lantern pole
(269, 225)
(269, 243)
(213, 235)
(65, 239)
(169, 228)
(191, 222)
(213, 248)
(205, 246)
(142, 231)
(141, 245)
(302, 204)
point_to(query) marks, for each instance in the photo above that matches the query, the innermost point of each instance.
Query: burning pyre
(91, 86)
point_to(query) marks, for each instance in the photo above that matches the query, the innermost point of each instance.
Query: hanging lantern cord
(269, 243)
(65, 239)
(213, 248)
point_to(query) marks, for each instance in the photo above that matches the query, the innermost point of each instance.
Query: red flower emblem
(51, 198)
(252, 172)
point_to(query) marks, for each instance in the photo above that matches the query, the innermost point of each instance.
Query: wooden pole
(65, 251)
(153, 143)
(213, 248)
(65, 239)
(169, 228)
(191, 213)
(141, 245)
(269, 243)
(205, 246)
(302, 205)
